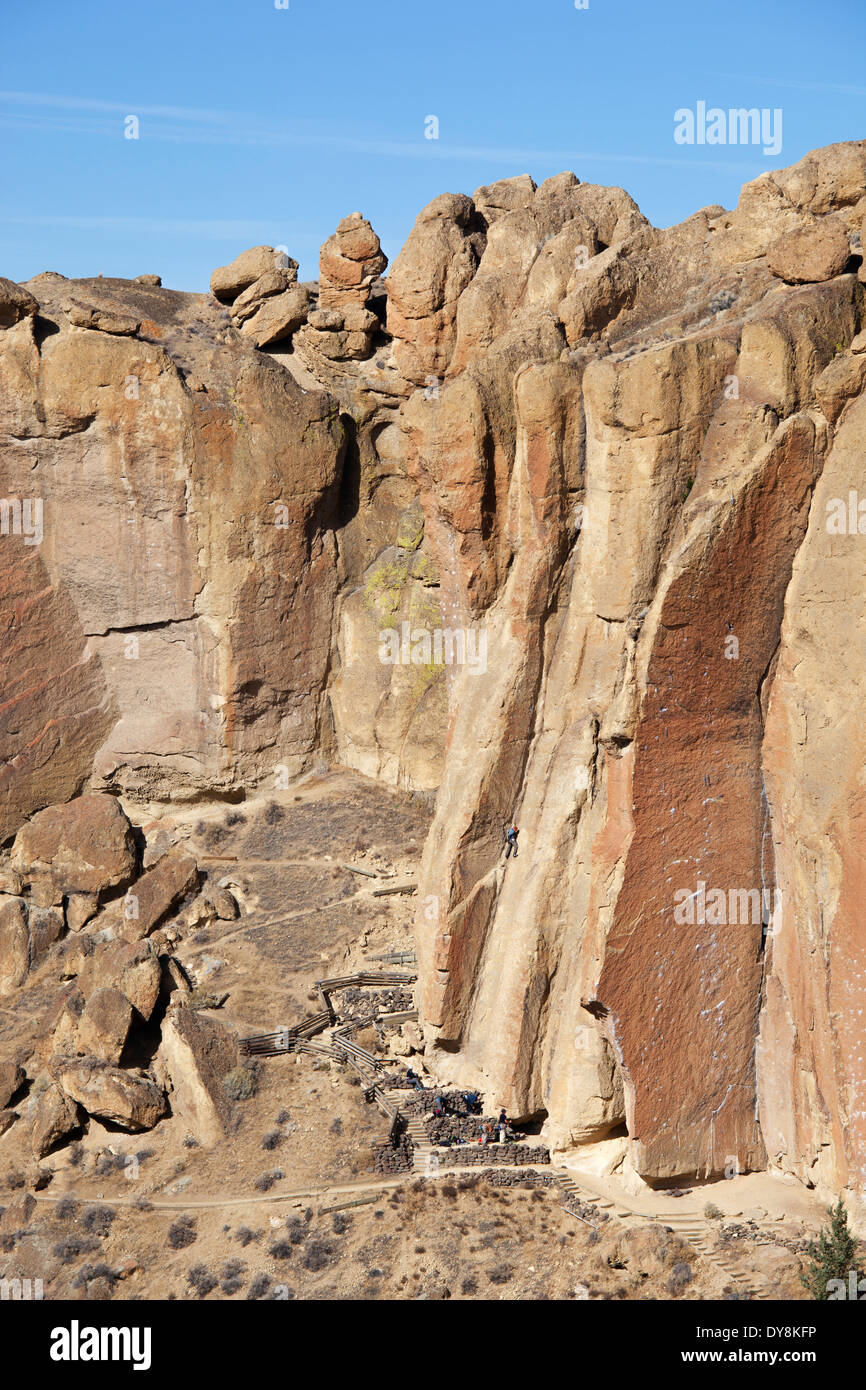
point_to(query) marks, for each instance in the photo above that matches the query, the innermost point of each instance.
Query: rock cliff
(560, 520)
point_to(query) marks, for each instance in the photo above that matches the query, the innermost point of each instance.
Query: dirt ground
(287, 1205)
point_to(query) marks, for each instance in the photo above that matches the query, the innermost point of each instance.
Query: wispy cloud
(190, 125)
(68, 103)
(208, 229)
(794, 86)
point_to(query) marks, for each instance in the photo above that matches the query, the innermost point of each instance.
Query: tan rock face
(180, 529)
(197, 1052)
(438, 261)
(809, 1055)
(86, 845)
(810, 254)
(57, 708)
(104, 1025)
(228, 281)
(130, 1101)
(154, 894)
(389, 699)
(536, 252)
(628, 545)
(349, 263)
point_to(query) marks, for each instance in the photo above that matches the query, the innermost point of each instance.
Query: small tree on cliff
(831, 1256)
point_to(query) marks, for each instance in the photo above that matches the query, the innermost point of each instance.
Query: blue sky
(259, 124)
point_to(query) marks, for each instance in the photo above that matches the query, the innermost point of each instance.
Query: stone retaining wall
(467, 1155)
(393, 1158)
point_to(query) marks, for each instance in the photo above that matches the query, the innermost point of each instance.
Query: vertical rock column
(350, 262)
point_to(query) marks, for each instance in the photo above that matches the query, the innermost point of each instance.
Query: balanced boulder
(349, 262)
(227, 281)
(810, 254)
(277, 316)
(273, 282)
(196, 1054)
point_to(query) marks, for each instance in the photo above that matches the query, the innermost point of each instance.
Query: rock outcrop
(427, 279)
(562, 520)
(134, 1102)
(83, 847)
(618, 497)
(261, 286)
(249, 268)
(181, 527)
(343, 326)
(16, 303)
(54, 1118)
(197, 1053)
(349, 264)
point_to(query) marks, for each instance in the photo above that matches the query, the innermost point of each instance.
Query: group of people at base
(488, 1131)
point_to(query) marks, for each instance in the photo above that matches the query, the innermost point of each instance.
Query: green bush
(831, 1256)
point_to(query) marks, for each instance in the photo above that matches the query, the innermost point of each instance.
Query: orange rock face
(632, 717)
